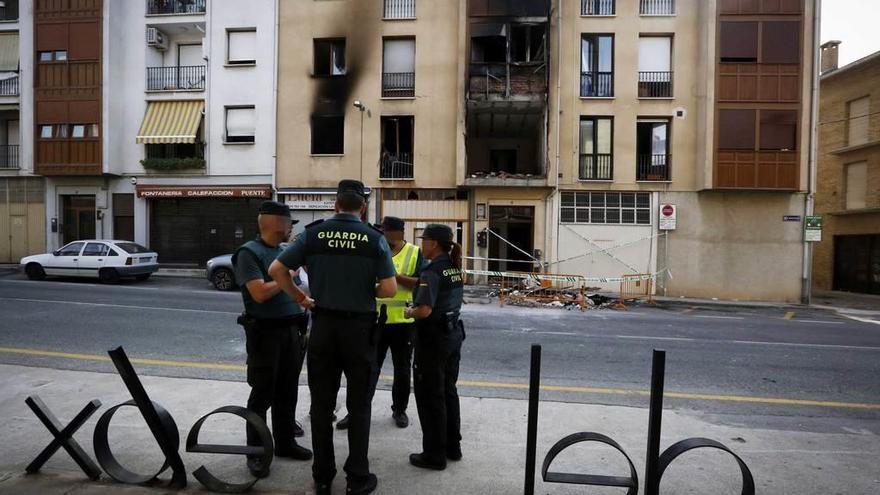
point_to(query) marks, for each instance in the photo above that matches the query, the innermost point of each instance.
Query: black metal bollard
(655, 421)
(532, 428)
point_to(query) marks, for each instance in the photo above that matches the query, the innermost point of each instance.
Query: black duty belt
(345, 314)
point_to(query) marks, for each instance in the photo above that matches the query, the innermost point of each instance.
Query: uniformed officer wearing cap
(398, 331)
(439, 335)
(349, 265)
(274, 329)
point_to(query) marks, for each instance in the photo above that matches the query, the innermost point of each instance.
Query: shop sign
(160, 192)
(311, 201)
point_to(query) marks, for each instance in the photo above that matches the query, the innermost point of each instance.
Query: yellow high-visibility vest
(404, 264)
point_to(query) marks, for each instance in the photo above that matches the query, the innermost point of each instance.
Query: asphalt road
(813, 370)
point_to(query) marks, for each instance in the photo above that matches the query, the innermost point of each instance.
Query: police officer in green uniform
(397, 333)
(439, 335)
(349, 266)
(274, 329)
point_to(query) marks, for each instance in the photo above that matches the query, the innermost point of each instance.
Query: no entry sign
(668, 213)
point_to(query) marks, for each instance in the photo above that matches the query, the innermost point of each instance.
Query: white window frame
(241, 138)
(230, 34)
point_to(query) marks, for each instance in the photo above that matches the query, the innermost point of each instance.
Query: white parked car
(106, 260)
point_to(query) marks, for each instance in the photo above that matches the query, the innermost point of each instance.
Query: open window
(527, 42)
(397, 147)
(329, 57)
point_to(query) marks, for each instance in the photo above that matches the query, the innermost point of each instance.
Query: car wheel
(223, 279)
(34, 271)
(141, 278)
(108, 276)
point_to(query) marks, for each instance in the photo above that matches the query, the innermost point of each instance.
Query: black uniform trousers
(437, 357)
(275, 356)
(340, 343)
(399, 338)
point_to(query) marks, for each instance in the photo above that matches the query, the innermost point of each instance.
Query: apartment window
(399, 9)
(49, 56)
(778, 131)
(858, 120)
(329, 57)
(655, 67)
(597, 7)
(736, 129)
(241, 124)
(856, 185)
(596, 155)
(47, 132)
(780, 42)
(241, 46)
(652, 150)
(80, 131)
(656, 7)
(597, 65)
(397, 160)
(61, 55)
(45, 56)
(328, 133)
(399, 67)
(739, 42)
(527, 43)
(606, 208)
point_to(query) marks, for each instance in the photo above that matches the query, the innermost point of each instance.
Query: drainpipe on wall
(275, 101)
(555, 193)
(810, 200)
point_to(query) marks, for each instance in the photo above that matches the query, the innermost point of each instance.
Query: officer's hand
(408, 313)
(307, 303)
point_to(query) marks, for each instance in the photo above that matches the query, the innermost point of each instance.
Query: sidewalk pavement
(494, 430)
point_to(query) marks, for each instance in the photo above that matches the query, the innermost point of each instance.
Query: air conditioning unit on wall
(156, 39)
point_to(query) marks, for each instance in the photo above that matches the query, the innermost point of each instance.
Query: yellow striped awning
(170, 122)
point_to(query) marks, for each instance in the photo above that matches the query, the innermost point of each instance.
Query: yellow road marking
(788, 315)
(478, 384)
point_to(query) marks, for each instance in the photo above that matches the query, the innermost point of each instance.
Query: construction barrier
(543, 288)
(637, 287)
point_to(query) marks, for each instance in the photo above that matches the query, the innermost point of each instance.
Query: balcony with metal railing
(399, 9)
(653, 168)
(597, 84)
(597, 7)
(399, 85)
(176, 7)
(176, 78)
(656, 7)
(655, 84)
(596, 167)
(9, 157)
(396, 166)
(9, 86)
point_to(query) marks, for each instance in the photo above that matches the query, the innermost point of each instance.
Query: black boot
(343, 423)
(424, 462)
(362, 487)
(400, 419)
(294, 451)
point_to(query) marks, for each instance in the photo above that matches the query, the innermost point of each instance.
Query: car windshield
(132, 248)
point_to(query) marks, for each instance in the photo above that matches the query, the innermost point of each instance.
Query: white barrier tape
(559, 278)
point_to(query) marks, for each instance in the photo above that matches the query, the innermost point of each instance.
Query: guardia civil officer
(274, 328)
(439, 335)
(349, 265)
(397, 333)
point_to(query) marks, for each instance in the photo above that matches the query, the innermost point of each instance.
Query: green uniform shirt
(345, 258)
(440, 286)
(251, 262)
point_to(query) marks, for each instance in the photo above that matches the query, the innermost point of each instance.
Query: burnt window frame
(341, 148)
(330, 43)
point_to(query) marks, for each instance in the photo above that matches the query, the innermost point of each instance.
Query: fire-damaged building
(597, 138)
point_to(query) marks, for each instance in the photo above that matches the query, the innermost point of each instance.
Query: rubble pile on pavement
(530, 294)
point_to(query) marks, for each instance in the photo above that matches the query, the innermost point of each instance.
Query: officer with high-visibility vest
(397, 333)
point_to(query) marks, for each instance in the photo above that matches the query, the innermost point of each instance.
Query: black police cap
(351, 186)
(393, 224)
(437, 232)
(274, 208)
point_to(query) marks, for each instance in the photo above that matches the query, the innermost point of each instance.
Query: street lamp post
(362, 108)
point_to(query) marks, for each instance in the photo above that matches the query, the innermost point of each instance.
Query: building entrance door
(516, 224)
(78, 217)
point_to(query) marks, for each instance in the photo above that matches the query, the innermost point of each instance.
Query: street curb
(165, 272)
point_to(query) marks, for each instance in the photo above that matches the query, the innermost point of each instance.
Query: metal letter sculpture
(265, 451)
(63, 436)
(655, 464)
(164, 430)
